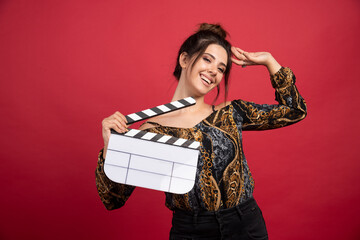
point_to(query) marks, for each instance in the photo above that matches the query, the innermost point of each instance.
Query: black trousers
(243, 222)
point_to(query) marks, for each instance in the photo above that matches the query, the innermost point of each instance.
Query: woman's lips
(206, 81)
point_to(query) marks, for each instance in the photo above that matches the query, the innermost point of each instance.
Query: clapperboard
(151, 160)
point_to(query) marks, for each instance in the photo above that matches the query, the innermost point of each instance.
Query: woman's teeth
(206, 80)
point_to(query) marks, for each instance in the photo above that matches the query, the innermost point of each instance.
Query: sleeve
(112, 194)
(291, 107)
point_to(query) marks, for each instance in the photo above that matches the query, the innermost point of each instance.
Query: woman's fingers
(120, 124)
(117, 121)
(121, 116)
(251, 57)
(244, 58)
(238, 53)
(120, 120)
(242, 62)
(237, 61)
(116, 127)
(236, 49)
(258, 58)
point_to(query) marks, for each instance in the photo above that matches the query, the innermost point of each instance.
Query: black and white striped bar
(165, 108)
(154, 137)
(152, 161)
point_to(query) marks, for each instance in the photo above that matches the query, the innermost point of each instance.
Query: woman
(221, 204)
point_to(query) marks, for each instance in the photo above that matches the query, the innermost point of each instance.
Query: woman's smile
(206, 80)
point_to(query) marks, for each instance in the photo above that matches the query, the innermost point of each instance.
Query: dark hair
(197, 43)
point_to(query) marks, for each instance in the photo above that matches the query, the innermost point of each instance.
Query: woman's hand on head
(244, 58)
(117, 121)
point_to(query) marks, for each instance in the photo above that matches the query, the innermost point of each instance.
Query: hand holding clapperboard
(153, 160)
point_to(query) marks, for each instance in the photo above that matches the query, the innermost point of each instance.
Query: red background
(66, 65)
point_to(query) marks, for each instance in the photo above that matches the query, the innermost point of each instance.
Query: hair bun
(215, 28)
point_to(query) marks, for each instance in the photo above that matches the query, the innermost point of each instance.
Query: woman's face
(207, 72)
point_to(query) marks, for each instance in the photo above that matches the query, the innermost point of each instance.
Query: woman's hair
(196, 44)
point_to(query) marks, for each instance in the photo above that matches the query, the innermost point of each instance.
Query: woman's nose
(213, 71)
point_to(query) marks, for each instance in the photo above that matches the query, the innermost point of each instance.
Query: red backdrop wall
(66, 65)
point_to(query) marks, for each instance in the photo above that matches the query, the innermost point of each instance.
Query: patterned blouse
(223, 178)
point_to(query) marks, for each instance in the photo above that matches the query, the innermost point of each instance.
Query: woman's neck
(182, 92)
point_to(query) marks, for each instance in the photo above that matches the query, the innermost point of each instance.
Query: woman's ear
(184, 60)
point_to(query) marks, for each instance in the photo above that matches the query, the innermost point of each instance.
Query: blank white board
(152, 161)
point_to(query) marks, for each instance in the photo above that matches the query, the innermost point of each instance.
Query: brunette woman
(221, 204)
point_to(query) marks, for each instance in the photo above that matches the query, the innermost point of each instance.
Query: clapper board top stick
(159, 110)
(153, 160)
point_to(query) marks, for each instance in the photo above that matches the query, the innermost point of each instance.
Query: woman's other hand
(244, 59)
(118, 122)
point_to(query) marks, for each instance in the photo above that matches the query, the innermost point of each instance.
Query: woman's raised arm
(291, 107)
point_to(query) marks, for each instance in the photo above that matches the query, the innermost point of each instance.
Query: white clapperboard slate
(153, 160)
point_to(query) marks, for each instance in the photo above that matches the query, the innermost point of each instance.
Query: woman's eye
(221, 70)
(206, 59)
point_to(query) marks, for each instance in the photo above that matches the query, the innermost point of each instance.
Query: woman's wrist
(272, 65)
(104, 150)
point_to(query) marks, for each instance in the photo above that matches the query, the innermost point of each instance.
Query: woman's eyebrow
(212, 56)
